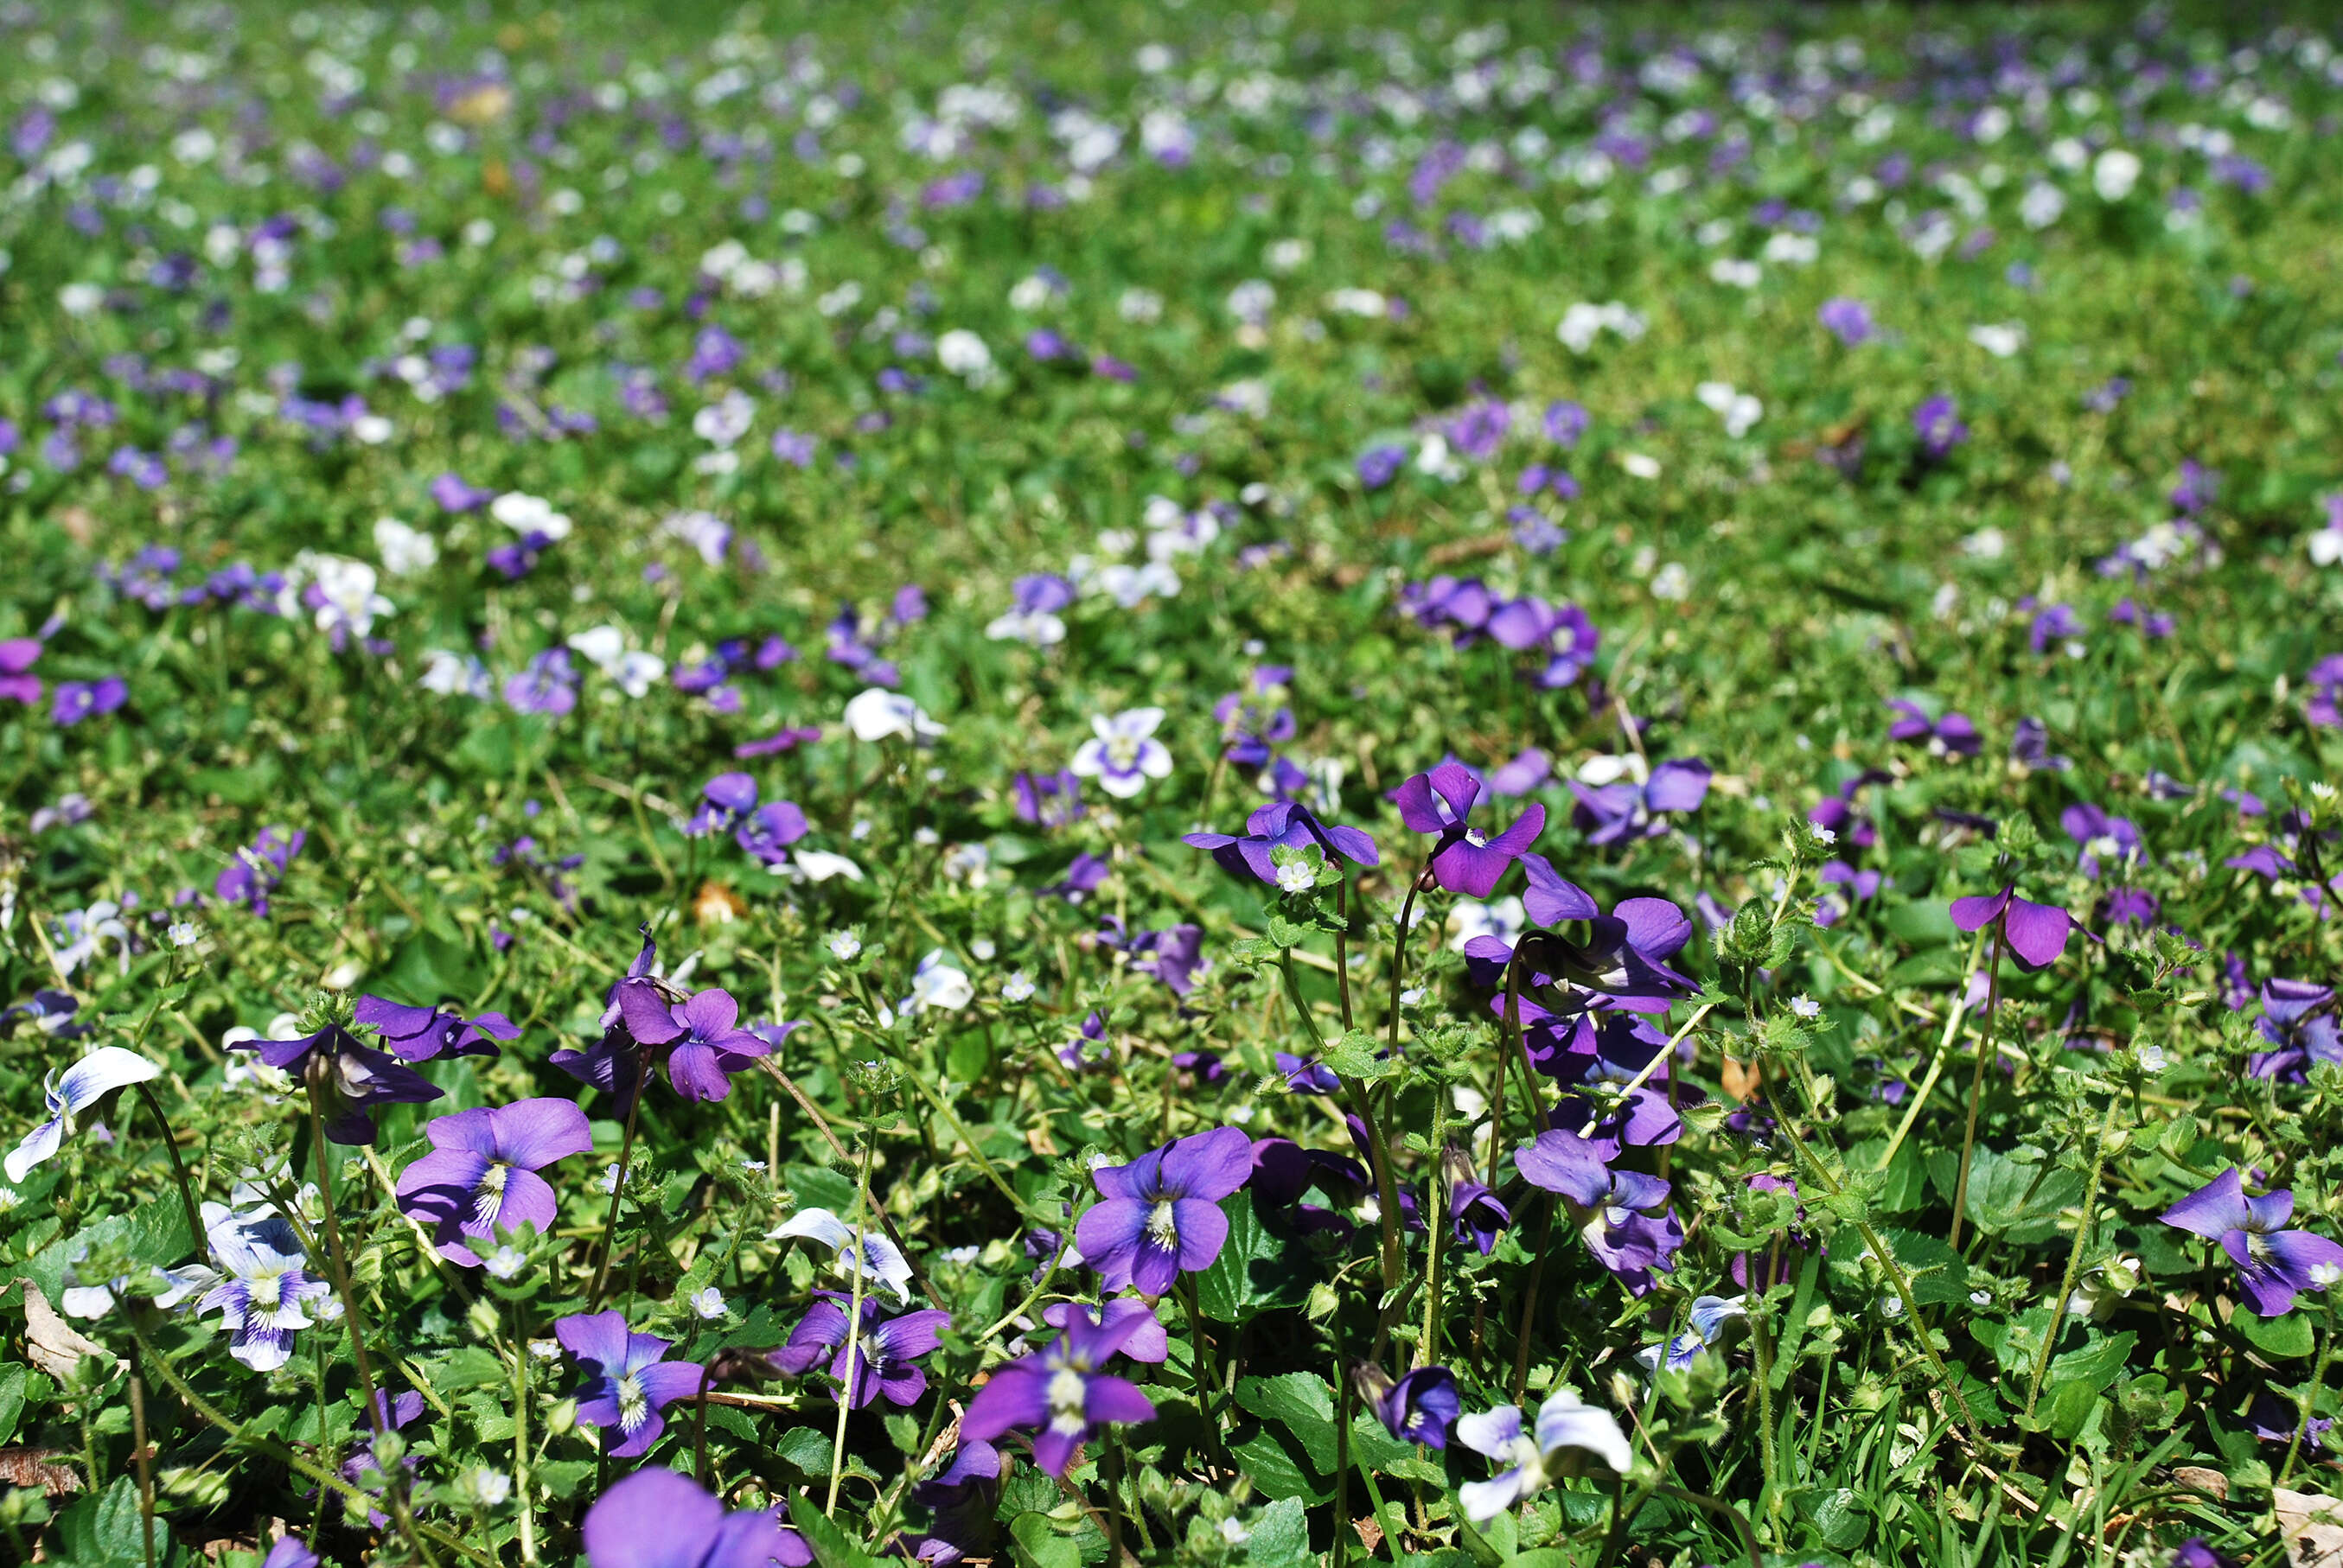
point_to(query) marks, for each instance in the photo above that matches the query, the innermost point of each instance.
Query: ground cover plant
(1251, 787)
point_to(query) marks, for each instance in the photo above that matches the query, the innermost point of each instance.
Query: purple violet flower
(628, 1383)
(347, 1077)
(1621, 1215)
(1951, 736)
(481, 1176)
(1462, 860)
(885, 1350)
(2273, 1265)
(420, 1033)
(1061, 1393)
(707, 1048)
(1419, 1408)
(1625, 810)
(2036, 933)
(655, 1518)
(1159, 1215)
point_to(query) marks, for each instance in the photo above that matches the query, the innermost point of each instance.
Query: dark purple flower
(1477, 1215)
(259, 869)
(1621, 1215)
(1291, 826)
(885, 1350)
(2036, 933)
(2029, 745)
(1625, 809)
(2273, 1265)
(1061, 1393)
(1419, 1408)
(963, 1496)
(706, 1047)
(549, 686)
(481, 1176)
(1075, 1054)
(1173, 955)
(1462, 860)
(75, 700)
(656, 1518)
(1566, 422)
(2299, 1021)
(419, 1033)
(1951, 736)
(628, 1383)
(2057, 623)
(1307, 1074)
(1048, 799)
(1085, 874)
(1159, 1215)
(347, 1077)
(1619, 1048)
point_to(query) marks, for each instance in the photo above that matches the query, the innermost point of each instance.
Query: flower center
(489, 1195)
(1163, 1224)
(634, 1404)
(266, 1292)
(1123, 753)
(1068, 1395)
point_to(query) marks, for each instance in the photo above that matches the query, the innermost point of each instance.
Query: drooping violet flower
(548, 686)
(2114, 838)
(1122, 753)
(656, 1518)
(1286, 824)
(701, 1041)
(1529, 1459)
(1159, 1215)
(260, 1301)
(1462, 860)
(1951, 736)
(1048, 799)
(2036, 933)
(79, 1087)
(75, 700)
(290, 1551)
(1625, 809)
(1418, 1408)
(481, 1176)
(885, 1350)
(628, 1383)
(728, 804)
(258, 869)
(1477, 1215)
(1060, 1392)
(2300, 1023)
(1621, 1215)
(2273, 1265)
(1075, 1054)
(347, 1078)
(881, 1261)
(420, 1033)
(1174, 955)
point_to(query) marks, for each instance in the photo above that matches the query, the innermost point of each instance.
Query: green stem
(1399, 946)
(2310, 1392)
(282, 1454)
(1725, 1511)
(1529, 1303)
(1427, 1350)
(2074, 1254)
(1976, 1089)
(146, 1467)
(520, 1439)
(618, 1187)
(853, 1323)
(1761, 1341)
(179, 1165)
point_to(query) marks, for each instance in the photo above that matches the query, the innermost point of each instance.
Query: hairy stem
(1976, 1089)
(2074, 1254)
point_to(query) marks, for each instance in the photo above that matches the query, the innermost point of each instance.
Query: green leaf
(1938, 1272)
(470, 1367)
(831, 1549)
(2288, 1337)
(154, 1233)
(1303, 1405)
(12, 1398)
(562, 1477)
(1256, 1272)
(1268, 1461)
(2004, 1199)
(1838, 1516)
(804, 1447)
(1281, 1536)
(1035, 1542)
(105, 1530)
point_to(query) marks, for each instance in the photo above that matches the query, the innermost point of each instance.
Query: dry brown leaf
(31, 1467)
(53, 1345)
(2212, 1482)
(2312, 1526)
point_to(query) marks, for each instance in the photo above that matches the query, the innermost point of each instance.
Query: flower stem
(1399, 947)
(1343, 950)
(618, 1187)
(2305, 1404)
(1529, 1303)
(294, 1460)
(179, 1165)
(853, 1322)
(520, 1439)
(1427, 1350)
(2075, 1254)
(145, 1468)
(1976, 1089)
(1761, 1339)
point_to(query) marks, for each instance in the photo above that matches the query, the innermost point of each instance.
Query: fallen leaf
(2312, 1526)
(53, 1345)
(31, 1467)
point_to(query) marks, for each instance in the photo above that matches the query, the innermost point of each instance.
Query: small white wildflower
(845, 946)
(708, 1304)
(1296, 877)
(2152, 1058)
(485, 1488)
(1018, 986)
(185, 934)
(609, 1181)
(1806, 1006)
(507, 1262)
